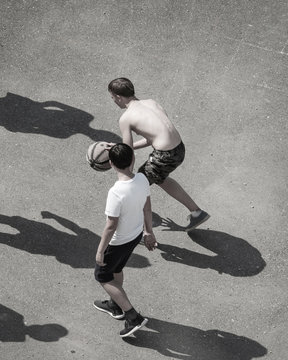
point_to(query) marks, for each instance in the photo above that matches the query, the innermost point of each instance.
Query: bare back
(148, 119)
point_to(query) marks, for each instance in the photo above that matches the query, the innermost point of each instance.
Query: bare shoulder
(152, 104)
(126, 118)
(149, 102)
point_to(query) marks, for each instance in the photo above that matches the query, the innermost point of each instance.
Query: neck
(130, 101)
(125, 174)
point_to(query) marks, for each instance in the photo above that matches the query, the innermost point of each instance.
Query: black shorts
(115, 258)
(161, 163)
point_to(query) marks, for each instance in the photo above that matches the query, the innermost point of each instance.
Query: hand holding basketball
(109, 145)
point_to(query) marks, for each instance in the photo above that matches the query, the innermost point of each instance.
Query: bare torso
(148, 119)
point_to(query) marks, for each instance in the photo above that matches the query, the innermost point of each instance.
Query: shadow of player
(235, 256)
(50, 118)
(13, 328)
(185, 342)
(76, 250)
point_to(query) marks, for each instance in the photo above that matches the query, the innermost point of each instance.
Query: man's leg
(175, 190)
(117, 295)
(134, 321)
(197, 216)
(115, 290)
(119, 278)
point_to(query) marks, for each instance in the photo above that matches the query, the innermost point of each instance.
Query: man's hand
(108, 146)
(100, 259)
(150, 241)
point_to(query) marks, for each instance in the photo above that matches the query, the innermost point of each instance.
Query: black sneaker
(196, 221)
(133, 325)
(109, 307)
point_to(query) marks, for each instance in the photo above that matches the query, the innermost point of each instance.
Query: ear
(111, 164)
(131, 167)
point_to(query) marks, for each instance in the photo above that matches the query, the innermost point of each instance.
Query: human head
(122, 87)
(121, 156)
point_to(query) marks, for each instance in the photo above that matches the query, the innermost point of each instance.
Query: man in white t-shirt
(128, 210)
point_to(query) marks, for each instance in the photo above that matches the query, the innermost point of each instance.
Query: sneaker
(196, 221)
(109, 307)
(133, 325)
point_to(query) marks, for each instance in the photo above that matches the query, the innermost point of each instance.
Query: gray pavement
(219, 68)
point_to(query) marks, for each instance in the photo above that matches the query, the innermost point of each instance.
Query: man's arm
(126, 131)
(149, 237)
(127, 137)
(109, 229)
(141, 144)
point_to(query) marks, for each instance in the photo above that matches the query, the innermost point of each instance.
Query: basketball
(98, 156)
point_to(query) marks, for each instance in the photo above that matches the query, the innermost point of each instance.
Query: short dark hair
(122, 87)
(121, 155)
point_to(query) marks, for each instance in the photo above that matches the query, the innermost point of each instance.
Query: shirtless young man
(149, 120)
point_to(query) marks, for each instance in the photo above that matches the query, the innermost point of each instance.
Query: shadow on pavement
(184, 342)
(13, 328)
(50, 118)
(235, 256)
(77, 250)
(157, 220)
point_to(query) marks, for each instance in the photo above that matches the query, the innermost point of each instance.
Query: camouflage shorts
(162, 163)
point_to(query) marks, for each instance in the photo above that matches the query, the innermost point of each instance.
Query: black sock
(131, 314)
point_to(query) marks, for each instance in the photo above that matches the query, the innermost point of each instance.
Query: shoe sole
(201, 222)
(144, 322)
(118, 317)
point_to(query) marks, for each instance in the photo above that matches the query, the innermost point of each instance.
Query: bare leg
(115, 290)
(175, 190)
(119, 278)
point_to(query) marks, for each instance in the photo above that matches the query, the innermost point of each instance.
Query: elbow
(111, 228)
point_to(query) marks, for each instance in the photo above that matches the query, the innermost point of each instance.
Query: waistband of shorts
(181, 144)
(137, 238)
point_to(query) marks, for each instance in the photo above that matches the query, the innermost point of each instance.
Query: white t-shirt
(126, 200)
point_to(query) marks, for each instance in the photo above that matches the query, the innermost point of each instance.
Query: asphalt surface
(219, 68)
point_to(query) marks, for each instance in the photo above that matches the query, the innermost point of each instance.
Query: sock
(196, 213)
(131, 314)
